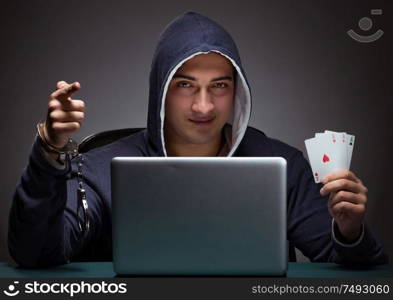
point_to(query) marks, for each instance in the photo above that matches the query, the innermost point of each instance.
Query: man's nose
(202, 103)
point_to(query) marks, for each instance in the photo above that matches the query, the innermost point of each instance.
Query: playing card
(327, 153)
(341, 138)
(349, 140)
(351, 144)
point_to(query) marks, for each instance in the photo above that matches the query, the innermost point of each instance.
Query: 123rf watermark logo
(71, 289)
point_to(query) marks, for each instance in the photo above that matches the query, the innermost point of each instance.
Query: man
(199, 105)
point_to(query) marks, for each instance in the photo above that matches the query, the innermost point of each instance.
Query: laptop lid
(199, 216)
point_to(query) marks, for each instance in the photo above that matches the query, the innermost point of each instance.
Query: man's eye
(184, 84)
(220, 85)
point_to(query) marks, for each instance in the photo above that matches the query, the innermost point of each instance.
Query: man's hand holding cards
(330, 156)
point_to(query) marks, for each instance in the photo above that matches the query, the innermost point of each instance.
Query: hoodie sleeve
(43, 228)
(310, 226)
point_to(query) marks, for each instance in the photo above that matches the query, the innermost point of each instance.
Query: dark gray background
(306, 75)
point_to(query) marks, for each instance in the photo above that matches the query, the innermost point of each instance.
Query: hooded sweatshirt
(43, 224)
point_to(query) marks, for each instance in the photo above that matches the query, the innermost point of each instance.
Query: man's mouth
(202, 121)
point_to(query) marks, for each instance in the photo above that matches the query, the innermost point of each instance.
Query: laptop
(222, 216)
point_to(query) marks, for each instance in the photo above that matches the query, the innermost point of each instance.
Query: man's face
(199, 100)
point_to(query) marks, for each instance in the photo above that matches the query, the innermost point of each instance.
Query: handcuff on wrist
(70, 149)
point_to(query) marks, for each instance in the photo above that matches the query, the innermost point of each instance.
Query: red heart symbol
(325, 158)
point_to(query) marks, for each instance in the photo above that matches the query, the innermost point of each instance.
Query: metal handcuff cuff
(71, 150)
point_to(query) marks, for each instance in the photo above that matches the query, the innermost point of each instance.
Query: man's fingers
(340, 174)
(342, 184)
(65, 91)
(344, 196)
(60, 84)
(68, 127)
(73, 105)
(66, 116)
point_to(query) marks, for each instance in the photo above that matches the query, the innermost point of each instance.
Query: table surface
(105, 270)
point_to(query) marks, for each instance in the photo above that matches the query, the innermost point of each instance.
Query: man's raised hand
(65, 115)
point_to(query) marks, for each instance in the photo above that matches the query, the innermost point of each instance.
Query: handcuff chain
(81, 196)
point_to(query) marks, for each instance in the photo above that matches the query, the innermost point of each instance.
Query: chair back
(106, 137)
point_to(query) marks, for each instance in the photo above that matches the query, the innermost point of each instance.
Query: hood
(188, 35)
